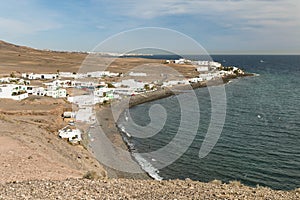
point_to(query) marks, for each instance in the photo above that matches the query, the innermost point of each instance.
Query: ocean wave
(144, 164)
(147, 166)
(123, 130)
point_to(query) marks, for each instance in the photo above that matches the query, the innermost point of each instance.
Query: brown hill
(20, 59)
(24, 59)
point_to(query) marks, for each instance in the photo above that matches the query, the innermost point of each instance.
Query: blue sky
(220, 26)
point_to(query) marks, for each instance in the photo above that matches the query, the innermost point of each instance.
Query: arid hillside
(24, 59)
(20, 59)
(30, 147)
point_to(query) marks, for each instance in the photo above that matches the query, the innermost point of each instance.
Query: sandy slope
(30, 148)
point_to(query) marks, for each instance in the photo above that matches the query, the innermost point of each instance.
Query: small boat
(261, 61)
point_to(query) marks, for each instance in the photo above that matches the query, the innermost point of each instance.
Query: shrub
(216, 182)
(91, 175)
(235, 183)
(109, 85)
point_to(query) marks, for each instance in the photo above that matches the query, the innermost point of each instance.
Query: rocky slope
(137, 189)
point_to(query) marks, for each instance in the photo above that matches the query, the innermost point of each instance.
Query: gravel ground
(137, 189)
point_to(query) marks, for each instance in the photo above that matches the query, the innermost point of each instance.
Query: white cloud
(12, 27)
(247, 24)
(19, 18)
(101, 27)
(241, 12)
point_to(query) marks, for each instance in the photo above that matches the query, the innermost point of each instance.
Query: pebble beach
(138, 189)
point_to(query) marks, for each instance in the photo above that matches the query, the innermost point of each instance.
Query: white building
(39, 91)
(30, 89)
(69, 114)
(176, 82)
(214, 75)
(207, 63)
(180, 61)
(81, 84)
(215, 64)
(202, 62)
(57, 93)
(125, 91)
(104, 92)
(8, 80)
(82, 100)
(100, 74)
(195, 80)
(5, 80)
(137, 74)
(12, 91)
(59, 83)
(202, 69)
(67, 75)
(33, 76)
(130, 83)
(73, 135)
(55, 90)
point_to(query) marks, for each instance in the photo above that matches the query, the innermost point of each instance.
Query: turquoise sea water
(260, 141)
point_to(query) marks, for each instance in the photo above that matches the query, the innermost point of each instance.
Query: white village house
(12, 91)
(203, 63)
(73, 135)
(100, 74)
(10, 80)
(131, 83)
(33, 76)
(55, 91)
(202, 69)
(175, 82)
(141, 74)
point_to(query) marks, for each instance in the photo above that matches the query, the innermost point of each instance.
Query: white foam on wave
(123, 130)
(144, 164)
(147, 166)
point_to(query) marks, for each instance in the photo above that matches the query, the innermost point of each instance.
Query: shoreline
(118, 137)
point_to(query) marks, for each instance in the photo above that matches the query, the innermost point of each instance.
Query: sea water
(260, 140)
